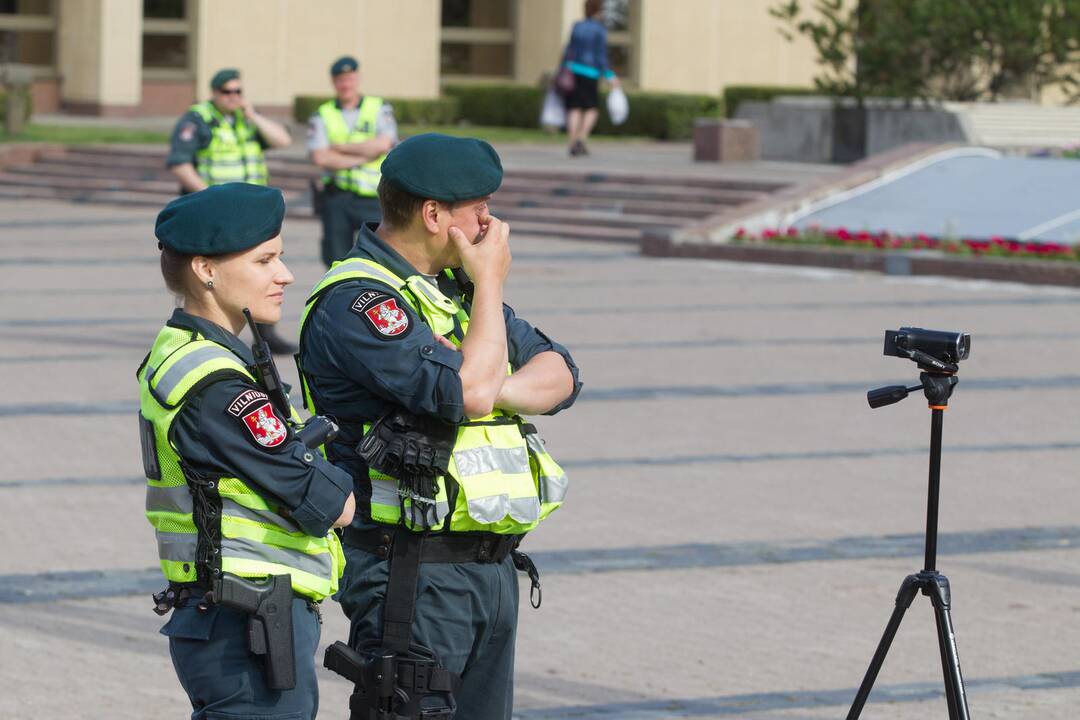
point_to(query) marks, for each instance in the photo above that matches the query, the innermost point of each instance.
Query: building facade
(155, 57)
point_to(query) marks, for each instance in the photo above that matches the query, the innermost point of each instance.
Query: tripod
(937, 386)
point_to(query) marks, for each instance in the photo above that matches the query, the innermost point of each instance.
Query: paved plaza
(738, 523)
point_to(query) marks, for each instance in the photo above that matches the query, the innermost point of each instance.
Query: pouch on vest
(492, 467)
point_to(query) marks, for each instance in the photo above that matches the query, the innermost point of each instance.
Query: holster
(393, 676)
(268, 604)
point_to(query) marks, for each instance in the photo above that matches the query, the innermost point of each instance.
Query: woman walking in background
(586, 57)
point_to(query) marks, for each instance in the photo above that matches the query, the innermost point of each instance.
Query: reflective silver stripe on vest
(179, 547)
(172, 499)
(266, 517)
(245, 549)
(477, 461)
(494, 508)
(385, 492)
(352, 267)
(552, 487)
(175, 374)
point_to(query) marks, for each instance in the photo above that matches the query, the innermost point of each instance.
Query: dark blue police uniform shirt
(214, 441)
(191, 134)
(356, 373)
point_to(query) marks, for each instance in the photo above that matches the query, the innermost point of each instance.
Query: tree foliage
(934, 49)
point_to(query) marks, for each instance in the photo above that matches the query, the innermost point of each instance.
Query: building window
(619, 19)
(28, 33)
(168, 38)
(477, 39)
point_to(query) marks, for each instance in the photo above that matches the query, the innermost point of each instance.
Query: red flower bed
(996, 246)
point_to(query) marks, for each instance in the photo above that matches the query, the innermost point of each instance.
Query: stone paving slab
(724, 413)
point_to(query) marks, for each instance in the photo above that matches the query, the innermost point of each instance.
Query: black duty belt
(479, 547)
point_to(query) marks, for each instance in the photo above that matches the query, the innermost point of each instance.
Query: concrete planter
(815, 129)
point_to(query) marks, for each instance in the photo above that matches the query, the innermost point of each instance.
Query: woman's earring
(209, 284)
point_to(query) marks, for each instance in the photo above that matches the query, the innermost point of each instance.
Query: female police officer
(240, 506)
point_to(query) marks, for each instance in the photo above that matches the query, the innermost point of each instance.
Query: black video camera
(932, 349)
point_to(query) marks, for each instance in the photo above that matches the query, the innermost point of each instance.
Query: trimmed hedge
(439, 111)
(735, 94)
(665, 116)
(27, 104)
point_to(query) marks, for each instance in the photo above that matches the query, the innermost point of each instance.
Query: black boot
(278, 345)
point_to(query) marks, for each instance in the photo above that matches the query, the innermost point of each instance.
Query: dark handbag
(564, 81)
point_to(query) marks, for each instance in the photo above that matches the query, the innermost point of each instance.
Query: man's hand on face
(485, 258)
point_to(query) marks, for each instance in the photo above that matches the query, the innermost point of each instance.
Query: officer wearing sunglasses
(222, 141)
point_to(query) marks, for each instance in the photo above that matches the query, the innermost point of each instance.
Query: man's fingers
(446, 343)
(458, 238)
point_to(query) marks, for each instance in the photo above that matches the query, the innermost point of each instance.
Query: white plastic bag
(553, 113)
(617, 107)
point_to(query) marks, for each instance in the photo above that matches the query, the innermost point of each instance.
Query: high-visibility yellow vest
(248, 535)
(234, 153)
(501, 478)
(363, 179)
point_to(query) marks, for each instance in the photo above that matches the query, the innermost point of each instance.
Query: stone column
(100, 56)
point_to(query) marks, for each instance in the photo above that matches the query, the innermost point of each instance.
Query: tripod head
(937, 353)
(937, 387)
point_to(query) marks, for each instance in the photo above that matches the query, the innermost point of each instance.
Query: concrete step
(596, 232)
(628, 191)
(579, 217)
(684, 210)
(55, 168)
(599, 206)
(591, 177)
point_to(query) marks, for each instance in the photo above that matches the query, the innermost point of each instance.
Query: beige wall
(284, 47)
(542, 29)
(701, 46)
(99, 56)
(395, 42)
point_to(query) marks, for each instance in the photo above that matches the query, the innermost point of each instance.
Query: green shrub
(735, 94)
(27, 106)
(437, 111)
(498, 105)
(665, 116)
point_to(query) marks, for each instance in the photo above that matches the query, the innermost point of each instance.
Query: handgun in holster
(268, 604)
(392, 686)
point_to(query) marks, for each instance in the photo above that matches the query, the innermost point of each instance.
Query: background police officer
(348, 138)
(222, 140)
(231, 490)
(389, 329)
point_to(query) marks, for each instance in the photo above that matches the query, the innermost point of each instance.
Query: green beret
(221, 219)
(223, 76)
(343, 65)
(440, 167)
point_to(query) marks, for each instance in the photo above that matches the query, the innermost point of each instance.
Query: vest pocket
(548, 476)
(491, 465)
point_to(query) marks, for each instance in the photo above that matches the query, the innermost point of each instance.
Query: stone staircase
(1018, 124)
(609, 206)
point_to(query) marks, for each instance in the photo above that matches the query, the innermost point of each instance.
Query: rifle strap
(400, 606)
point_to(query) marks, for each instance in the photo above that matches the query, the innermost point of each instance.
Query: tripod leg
(908, 589)
(937, 587)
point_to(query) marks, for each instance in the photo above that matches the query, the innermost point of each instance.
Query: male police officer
(220, 141)
(348, 138)
(411, 355)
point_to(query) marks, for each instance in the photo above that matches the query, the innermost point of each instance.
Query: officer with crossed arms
(408, 344)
